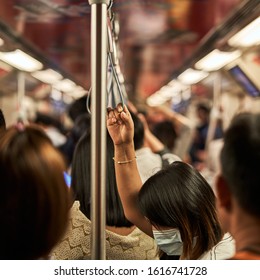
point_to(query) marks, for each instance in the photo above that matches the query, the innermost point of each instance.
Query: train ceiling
(156, 36)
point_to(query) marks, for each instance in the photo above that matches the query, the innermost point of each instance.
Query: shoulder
(245, 256)
(168, 157)
(135, 246)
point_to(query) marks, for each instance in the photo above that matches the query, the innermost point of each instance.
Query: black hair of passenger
(138, 131)
(81, 182)
(240, 160)
(2, 121)
(179, 197)
(166, 133)
(80, 126)
(203, 107)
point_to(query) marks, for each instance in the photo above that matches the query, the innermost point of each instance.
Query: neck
(246, 232)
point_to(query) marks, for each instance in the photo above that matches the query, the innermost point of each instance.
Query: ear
(223, 193)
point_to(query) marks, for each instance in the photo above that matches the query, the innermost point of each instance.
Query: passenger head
(166, 133)
(179, 197)
(81, 182)
(203, 112)
(240, 163)
(34, 198)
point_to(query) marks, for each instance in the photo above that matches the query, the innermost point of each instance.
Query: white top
(225, 249)
(149, 163)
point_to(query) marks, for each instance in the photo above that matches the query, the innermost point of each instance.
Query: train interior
(172, 53)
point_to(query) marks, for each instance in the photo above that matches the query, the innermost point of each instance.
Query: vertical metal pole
(98, 125)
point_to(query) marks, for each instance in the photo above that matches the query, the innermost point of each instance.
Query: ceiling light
(65, 85)
(48, 76)
(155, 100)
(191, 76)
(21, 61)
(248, 36)
(216, 60)
(77, 92)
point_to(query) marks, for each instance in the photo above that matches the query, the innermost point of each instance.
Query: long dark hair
(179, 197)
(81, 183)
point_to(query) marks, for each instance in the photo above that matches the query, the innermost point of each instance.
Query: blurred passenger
(52, 127)
(77, 108)
(166, 133)
(176, 206)
(2, 121)
(123, 239)
(151, 153)
(198, 147)
(238, 184)
(34, 199)
(183, 129)
(81, 125)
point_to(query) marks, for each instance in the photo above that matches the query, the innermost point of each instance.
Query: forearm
(127, 175)
(129, 184)
(153, 142)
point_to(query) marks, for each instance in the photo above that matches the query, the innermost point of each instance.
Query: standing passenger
(176, 206)
(238, 185)
(124, 241)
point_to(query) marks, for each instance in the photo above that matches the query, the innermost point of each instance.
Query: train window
(240, 76)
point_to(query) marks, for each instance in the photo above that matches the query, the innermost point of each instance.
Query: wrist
(124, 151)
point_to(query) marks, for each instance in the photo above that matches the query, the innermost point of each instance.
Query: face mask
(169, 241)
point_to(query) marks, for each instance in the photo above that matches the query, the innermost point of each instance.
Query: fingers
(111, 117)
(118, 115)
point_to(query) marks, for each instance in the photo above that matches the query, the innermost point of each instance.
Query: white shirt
(149, 163)
(225, 249)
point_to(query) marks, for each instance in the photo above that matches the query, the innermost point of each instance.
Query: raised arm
(121, 129)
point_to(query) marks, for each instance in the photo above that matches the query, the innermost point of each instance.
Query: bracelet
(125, 161)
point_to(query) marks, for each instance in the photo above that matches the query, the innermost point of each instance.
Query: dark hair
(203, 107)
(2, 121)
(240, 160)
(138, 131)
(48, 120)
(81, 126)
(34, 199)
(77, 108)
(179, 197)
(81, 182)
(166, 133)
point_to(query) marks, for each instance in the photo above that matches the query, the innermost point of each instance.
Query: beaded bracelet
(125, 161)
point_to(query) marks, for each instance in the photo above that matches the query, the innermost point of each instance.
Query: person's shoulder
(168, 156)
(245, 255)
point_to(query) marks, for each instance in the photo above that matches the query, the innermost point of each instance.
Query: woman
(34, 199)
(175, 206)
(123, 239)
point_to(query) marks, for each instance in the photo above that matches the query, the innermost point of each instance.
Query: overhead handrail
(112, 63)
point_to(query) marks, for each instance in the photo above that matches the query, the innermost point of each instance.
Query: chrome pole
(98, 126)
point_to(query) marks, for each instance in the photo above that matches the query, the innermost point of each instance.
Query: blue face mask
(169, 241)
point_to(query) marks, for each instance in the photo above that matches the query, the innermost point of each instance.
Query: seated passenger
(123, 240)
(34, 199)
(176, 206)
(238, 184)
